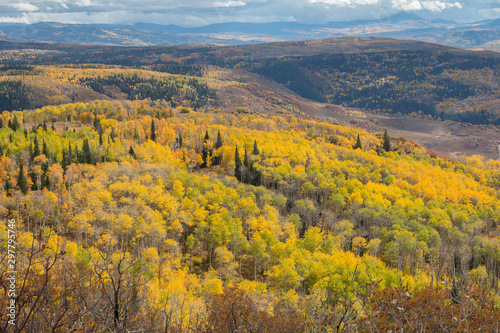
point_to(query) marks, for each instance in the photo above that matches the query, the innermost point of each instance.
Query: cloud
(25, 7)
(202, 12)
(342, 3)
(406, 4)
(437, 6)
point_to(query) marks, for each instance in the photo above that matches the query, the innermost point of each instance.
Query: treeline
(481, 117)
(176, 68)
(174, 90)
(13, 95)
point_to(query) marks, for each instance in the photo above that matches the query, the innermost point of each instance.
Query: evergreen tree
(36, 148)
(25, 133)
(22, 182)
(100, 138)
(97, 123)
(64, 162)
(153, 132)
(255, 149)
(86, 154)
(10, 138)
(132, 152)
(1, 123)
(15, 124)
(246, 162)
(8, 186)
(217, 159)
(358, 143)
(45, 150)
(32, 154)
(387, 142)
(53, 127)
(206, 152)
(237, 165)
(70, 155)
(78, 155)
(218, 142)
(9, 124)
(44, 126)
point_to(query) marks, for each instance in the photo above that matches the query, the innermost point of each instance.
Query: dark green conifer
(387, 142)
(358, 143)
(70, 155)
(153, 131)
(86, 153)
(36, 148)
(78, 155)
(15, 124)
(64, 162)
(237, 165)
(132, 152)
(45, 150)
(22, 182)
(206, 152)
(218, 142)
(246, 162)
(8, 186)
(255, 149)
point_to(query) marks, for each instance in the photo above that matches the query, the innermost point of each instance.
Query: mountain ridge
(402, 25)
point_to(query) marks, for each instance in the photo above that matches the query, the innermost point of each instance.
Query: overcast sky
(202, 12)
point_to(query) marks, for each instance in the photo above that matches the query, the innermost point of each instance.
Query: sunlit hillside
(143, 215)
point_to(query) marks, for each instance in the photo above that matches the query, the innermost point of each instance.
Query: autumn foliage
(136, 216)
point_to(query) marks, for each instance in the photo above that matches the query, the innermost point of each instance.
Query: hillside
(39, 84)
(143, 217)
(381, 75)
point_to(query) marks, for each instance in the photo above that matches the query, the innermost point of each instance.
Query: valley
(304, 186)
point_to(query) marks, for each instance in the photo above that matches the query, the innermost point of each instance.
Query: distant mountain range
(403, 25)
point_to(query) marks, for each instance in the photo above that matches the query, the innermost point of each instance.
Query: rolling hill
(181, 189)
(403, 25)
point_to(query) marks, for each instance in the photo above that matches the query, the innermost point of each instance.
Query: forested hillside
(382, 75)
(136, 216)
(440, 84)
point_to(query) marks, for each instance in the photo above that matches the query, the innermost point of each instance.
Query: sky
(189, 13)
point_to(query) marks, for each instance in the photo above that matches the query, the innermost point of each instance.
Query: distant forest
(382, 79)
(402, 82)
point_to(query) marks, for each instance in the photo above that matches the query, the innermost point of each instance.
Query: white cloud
(343, 3)
(437, 6)
(229, 3)
(25, 7)
(366, 2)
(406, 4)
(201, 12)
(333, 2)
(83, 3)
